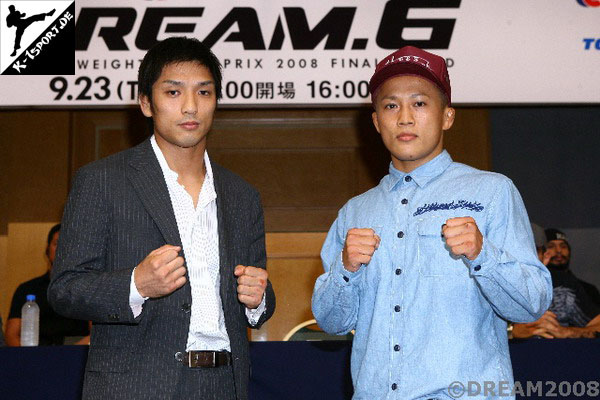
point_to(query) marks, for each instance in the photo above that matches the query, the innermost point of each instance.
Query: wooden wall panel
(293, 280)
(318, 178)
(5, 140)
(305, 163)
(5, 291)
(294, 265)
(469, 139)
(33, 165)
(97, 134)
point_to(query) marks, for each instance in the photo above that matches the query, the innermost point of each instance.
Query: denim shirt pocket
(433, 255)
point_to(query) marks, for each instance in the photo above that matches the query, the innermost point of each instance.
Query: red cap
(410, 60)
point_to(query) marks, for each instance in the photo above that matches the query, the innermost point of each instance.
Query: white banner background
(509, 52)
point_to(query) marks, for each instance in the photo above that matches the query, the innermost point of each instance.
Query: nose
(405, 117)
(190, 105)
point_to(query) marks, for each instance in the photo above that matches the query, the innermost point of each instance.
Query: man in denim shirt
(429, 265)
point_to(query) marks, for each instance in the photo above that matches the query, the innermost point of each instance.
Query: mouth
(406, 137)
(189, 125)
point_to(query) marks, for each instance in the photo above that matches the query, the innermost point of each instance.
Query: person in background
(2, 343)
(54, 328)
(427, 266)
(575, 309)
(539, 238)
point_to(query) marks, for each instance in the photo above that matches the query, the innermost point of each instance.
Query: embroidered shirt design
(454, 205)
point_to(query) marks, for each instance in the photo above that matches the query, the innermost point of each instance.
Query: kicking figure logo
(18, 20)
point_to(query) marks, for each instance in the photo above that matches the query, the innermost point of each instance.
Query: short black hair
(172, 51)
(53, 230)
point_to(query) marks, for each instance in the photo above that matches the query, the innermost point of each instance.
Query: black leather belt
(204, 359)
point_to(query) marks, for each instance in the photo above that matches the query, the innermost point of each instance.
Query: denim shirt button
(398, 271)
(397, 308)
(346, 278)
(400, 234)
(397, 347)
(394, 386)
(407, 178)
(477, 268)
(404, 201)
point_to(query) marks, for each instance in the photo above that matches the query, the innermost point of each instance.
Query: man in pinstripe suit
(164, 250)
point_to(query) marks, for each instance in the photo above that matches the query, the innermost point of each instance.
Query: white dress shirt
(198, 230)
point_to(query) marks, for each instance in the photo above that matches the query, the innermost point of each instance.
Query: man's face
(183, 105)
(559, 251)
(51, 250)
(411, 117)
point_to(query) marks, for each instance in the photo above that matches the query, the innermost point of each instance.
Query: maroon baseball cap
(410, 60)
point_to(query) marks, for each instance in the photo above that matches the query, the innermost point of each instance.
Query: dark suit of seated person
(575, 309)
(54, 328)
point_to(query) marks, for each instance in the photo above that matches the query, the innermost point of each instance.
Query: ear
(145, 105)
(375, 121)
(448, 115)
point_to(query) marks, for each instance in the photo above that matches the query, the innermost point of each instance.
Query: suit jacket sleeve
(81, 285)
(258, 256)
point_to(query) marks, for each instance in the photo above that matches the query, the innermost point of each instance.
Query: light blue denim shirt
(424, 318)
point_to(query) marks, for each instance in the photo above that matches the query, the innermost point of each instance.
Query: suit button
(186, 307)
(179, 356)
(113, 317)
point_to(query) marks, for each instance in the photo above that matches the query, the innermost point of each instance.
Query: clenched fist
(463, 237)
(252, 283)
(161, 272)
(359, 248)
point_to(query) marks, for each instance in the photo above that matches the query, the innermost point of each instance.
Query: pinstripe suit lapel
(147, 179)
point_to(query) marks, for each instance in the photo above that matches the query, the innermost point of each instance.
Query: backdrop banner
(323, 53)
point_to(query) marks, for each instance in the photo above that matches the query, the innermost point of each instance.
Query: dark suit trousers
(206, 384)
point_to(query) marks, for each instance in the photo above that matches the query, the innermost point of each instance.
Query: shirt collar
(169, 174)
(423, 174)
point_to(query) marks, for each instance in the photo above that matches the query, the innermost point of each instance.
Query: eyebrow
(394, 97)
(180, 83)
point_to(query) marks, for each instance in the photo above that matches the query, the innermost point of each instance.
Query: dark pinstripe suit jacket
(118, 211)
